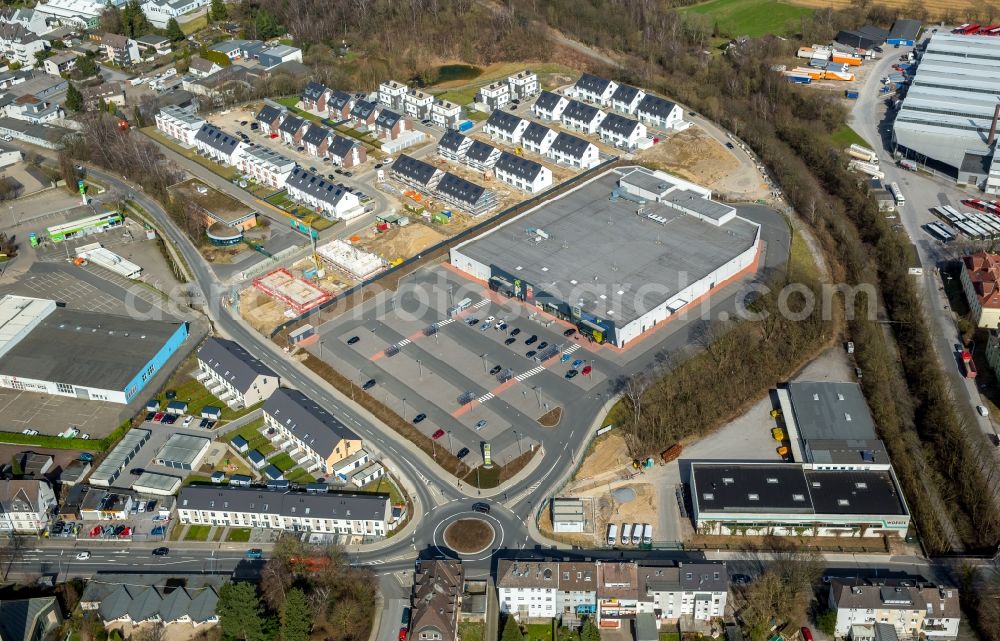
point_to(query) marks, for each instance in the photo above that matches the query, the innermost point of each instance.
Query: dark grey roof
(144, 596)
(339, 100)
(593, 84)
(239, 441)
(292, 124)
(655, 106)
(362, 109)
(313, 425)
(904, 29)
(19, 618)
(224, 356)
(504, 121)
(341, 146)
(316, 186)
(255, 456)
(85, 348)
(580, 112)
(731, 487)
(535, 133)
(618, 124)
(152, 39)
(872, 31)
(625, 93)
(415, 170)
(452, 140)
(273, 472)
(460, 189)
(854, 492)
(332, 505)
(520, 167)
(830, 411)
(547, 100)
(387, 119)
(703, 576)
(315, 135)
(313, 90)
(216, 139)
(570, 145)
(479, 151)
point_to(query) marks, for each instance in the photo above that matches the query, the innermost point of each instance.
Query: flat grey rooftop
(87, 349)
(597, 248)
(831, 411)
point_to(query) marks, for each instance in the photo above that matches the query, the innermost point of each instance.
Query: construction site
(286, 293)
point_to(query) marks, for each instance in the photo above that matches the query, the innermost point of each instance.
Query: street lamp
(404, 408)
(321, 350)
(450, 446)
(519, 452)
(538, 396)
(420, 369)
(483, 356)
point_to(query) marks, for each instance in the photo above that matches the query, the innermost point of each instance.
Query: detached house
(25, 506)
(522, 84)
(538, 138)
(201, 68)
(315, 96)
(218, 145)
(417, 104)
(60, 63)
(339, 105)
(316, 140)
(623, 133)
(494, 96)
(626, 98)
(582, 117)
(346, 152)
(390, 94)
(659, 112)
(292, 129)
(453, 146)
(233, 375)
(324, 196)
(526, 175)
(549, 106)
(594, 89)
(446, 114)
(318, 440)
(505, 126)
(270, 118)
(575, 152)
(180, 124)
(389, 125)
(363, 114)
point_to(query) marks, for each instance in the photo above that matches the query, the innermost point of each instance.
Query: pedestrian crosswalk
(485, 397)
(531, 372)
(405, 341)
(481, 304)
(572, 348)
(449, 321)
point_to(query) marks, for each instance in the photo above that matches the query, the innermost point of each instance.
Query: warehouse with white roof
(946, 121)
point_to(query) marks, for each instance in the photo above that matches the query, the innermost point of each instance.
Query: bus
(940, 232)
(85, 226)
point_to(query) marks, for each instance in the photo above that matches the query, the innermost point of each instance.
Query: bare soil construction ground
(265, 313)
(400, 242)
(694, 155)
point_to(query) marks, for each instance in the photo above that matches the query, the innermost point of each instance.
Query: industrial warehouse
(617, 255)
(50, 349)
(947, 121)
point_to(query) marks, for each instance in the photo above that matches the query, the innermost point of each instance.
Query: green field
(283, 461)
(238, 535)
(300, 476)
(197, 533)
(197, 396)
(845, 137)
(752, 18)
(385, 485)
(251, 432)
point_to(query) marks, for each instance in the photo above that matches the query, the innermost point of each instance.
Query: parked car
(437, 434)
(565, 358)
(515, 331)
(170, 419)
(158, 417)
(203, 423)
(490, 319)
(531, 339)
(577, 363)
(253, 554)
(586, 370)
(496, 370)
(462, 453)
(807, 634)
(571, 373)
(370, 383)
(349, 174)
(188, 421)
(543, 345)
(472, 320)
(569, 332)
(485, 326)
(480, 424)
(419, 417)
(510, 341)
(353, 339)
(150, 416)
(982, 410)
(161, 551)
(530, 354)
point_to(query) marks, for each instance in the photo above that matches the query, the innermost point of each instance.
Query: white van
(612, 533)
(637, 534)
(626, 533)
(647, 534)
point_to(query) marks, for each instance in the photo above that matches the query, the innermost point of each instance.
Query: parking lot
(508, 391)
(50, 415)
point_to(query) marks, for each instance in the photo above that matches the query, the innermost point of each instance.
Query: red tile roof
(983, 270)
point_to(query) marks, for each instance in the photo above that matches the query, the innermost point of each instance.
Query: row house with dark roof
(626, 98)
(474, 199)
(266, 166)
(316, 439)
(330, 200)
(549, 106)
(232, 374)
(527, 175)
(316, 140)
(505, 126)
(659, 112)
(339, 105)
(481, 156)
(416, 173)
(567, 149)
(315, 96)
(446, 114)
(453, 146)
(621, 132)
(436, 600)
(292, 129)
(216, 144)
(364, 114)
(346, 152)
(390, 125)
(582, 117)
(594, 89)
(269, 119)
(538, 138)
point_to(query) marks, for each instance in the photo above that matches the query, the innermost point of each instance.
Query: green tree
(134, 23)
(174, 31)
(589, 631)
(266, 25)
(41, 55)
(240, 612)
(87, 66)
(74, 99)
(511, 630)
(827, 621)
(218, 11)
(296, 618)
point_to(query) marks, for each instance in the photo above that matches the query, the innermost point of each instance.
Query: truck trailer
(864, 153)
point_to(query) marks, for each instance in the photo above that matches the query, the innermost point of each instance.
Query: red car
(402, 634)
(586, 370)
(807, 634)
(158, 417)
(438, 434)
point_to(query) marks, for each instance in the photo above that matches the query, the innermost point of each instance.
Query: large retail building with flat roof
(617, 255)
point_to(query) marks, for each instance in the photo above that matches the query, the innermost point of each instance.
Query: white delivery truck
(626, 533)
(647, 534)
(612, 533)
(636, 533)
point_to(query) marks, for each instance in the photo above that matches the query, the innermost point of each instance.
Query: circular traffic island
(469, 536)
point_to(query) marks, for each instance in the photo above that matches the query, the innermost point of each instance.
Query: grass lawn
(845, 137)
(298, 475)
(538, 632)
(290, 102)
(229, 173)
(366, 138)
(670, 636)
(238, 535)
(194, 24)
(197, 533)
(283, 461)
(752, 18)
(459, 96)
(251, 432)
(175, 531)
(470, 631)
(197, 479)
(476, 115)
(197, 396)
(801, 260)
(218, 534)
(385, 485)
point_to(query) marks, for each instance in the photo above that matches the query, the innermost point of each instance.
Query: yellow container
(777, 434)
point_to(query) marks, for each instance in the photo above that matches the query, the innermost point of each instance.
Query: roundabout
(468, 535)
